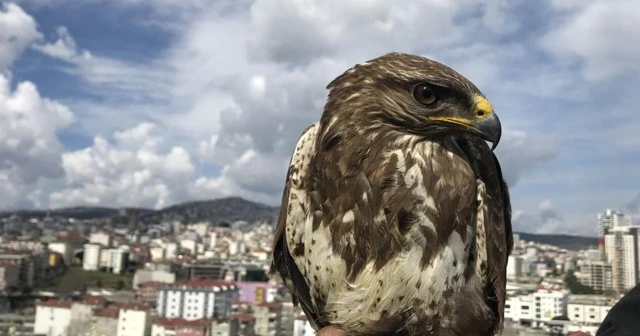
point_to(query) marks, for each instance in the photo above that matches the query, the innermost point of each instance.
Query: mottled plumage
(395, 218)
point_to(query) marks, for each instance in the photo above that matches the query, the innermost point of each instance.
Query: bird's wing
(500, 240)
(293, 214)
(498, 236)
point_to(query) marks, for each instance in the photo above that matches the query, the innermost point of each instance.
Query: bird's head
(413, 94)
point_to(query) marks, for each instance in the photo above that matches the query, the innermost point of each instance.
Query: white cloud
(29, 147)
(600, 33)
(64, 47)
(546, 219)
(17, 31)
(131, 170)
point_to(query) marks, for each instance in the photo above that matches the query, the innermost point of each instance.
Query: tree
(575, 287)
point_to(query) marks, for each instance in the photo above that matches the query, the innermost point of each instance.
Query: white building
(189, 245)
(133, 320)
(610, 219)
(237, 247)
(100, 238)
(588, 309)
(550, 301)
(196, 299)
(531, 252)
(114, 260)
(91, 258)
(621, 246)
(146, 275)
(547, 302)
(597, 275)
(170, 250)
(200, 228)
(519, 308)
(586, 312)
(302, 327)
(514, 267)
(157, 253)
(213, 239)
(52, 318)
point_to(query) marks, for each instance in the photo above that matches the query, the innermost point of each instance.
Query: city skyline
(147, 104)
(108, 275)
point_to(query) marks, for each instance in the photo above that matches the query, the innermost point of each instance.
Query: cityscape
(120, 275)
(134, 133)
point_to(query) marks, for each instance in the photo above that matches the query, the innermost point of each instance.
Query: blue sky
(150, 103)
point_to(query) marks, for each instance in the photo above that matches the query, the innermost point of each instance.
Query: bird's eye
(424, 94)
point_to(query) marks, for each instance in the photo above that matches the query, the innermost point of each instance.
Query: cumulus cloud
(131, 169)
(29, 147)
(17, 31)
(29, 123)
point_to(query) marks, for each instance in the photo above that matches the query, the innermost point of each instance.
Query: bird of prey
(395, 218)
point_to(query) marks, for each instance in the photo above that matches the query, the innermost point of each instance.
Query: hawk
(395, 217)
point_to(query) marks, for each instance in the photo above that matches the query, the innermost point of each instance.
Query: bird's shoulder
(289, 233)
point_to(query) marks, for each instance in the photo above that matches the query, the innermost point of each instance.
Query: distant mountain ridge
(231, 209)
(564, 241)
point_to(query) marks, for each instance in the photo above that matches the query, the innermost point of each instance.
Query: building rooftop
(108, 312)
(181, 323)
(242, 317)
(93, 300)
(56, 304)
(594, 300)
(139, 306)
(202, 283)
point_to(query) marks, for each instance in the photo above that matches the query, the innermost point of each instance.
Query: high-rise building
(132, 218)
(514, 267)
(621, 246)
(599, 275)
(610, 219)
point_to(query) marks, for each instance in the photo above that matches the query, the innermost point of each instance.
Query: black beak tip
(494, 145)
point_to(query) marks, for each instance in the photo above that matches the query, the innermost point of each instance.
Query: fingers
(330, 331)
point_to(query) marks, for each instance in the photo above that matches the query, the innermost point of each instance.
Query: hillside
(220, 210)
(228, 210)
(80, 212)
